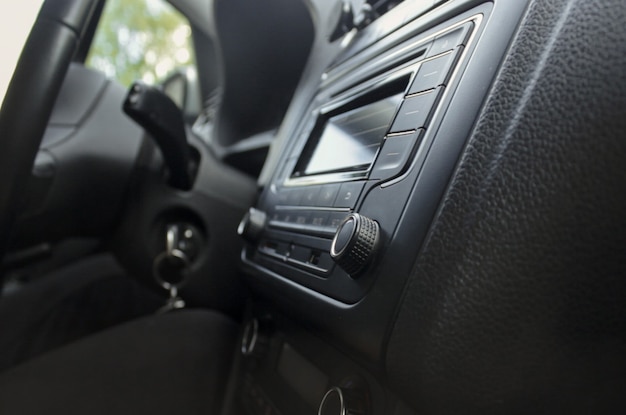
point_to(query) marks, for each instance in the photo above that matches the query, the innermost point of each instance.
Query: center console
(358, 150)
(351, 186)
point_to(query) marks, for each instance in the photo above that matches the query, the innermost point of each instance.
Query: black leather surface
(517, 303)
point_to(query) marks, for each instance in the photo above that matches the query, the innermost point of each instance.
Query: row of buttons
(338, 195)
(414, 113)
(406, 129)
(433, 74)
(314, 222)
(427, 85)
(314, 260)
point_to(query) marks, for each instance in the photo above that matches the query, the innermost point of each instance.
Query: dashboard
(350, 188)
(364, 141)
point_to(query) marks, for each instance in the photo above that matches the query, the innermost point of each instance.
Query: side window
(141, 40)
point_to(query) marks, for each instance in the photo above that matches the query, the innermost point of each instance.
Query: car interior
(354, 207)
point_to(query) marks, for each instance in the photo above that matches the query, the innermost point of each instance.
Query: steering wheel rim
(30, 97)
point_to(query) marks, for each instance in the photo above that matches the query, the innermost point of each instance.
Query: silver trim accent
(400, 134)
(171, 238)
(311, 208)
(333, 245)
(342, 405)
(326, 178)
(247, 348)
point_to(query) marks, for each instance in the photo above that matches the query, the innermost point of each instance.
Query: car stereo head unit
(352, 161)
(345, 140)
(347, 136)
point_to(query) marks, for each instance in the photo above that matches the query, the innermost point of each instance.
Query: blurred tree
(140, 40)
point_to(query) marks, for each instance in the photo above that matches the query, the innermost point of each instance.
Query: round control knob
(355, 243)
(252, 224)
(341, 401)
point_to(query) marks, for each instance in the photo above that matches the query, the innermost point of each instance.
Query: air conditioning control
(355, 243)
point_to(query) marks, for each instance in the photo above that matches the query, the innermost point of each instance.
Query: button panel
(310, 195)
(414, 112)
(451, 39)
(394, 155)
(318, 218)
(311, 259)
(335, 219)
(294, 196)
(348, 194)
(304, 215)
(434, 72)
(328, 194)
(338, 195)
(310, 222)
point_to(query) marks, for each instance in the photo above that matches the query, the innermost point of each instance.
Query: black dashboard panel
(291, 262)
(516, 303)
(381, 123)
(434, 68)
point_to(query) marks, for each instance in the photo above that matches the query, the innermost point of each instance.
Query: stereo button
(335, 219)
(309, 196)
(414, 112)
(318, 219)
(327, 195)
(291, 217)
(348, 194)
(283, 197)
(299, 254)
(300, 218)
(393, 156)
(433, 73)
(450, 40)
(294, 196)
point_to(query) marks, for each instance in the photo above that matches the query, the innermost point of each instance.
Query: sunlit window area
(14, 28)
(140, 40)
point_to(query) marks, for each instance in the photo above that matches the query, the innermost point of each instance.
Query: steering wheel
(31, 95)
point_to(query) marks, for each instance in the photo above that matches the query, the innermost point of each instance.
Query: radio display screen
(348, 141)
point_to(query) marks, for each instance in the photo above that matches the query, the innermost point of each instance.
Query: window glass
(140, 40)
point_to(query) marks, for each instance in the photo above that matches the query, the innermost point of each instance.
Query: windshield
(16, 19)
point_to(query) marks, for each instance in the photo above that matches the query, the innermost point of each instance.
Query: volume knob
(355, 243)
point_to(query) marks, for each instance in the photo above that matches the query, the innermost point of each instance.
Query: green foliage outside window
(140, 40)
